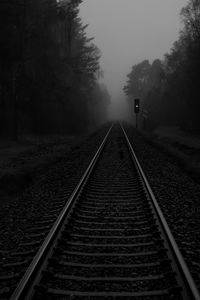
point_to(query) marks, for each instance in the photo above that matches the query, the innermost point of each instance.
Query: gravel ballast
(178, 195)
(39, 196)
(22, 216)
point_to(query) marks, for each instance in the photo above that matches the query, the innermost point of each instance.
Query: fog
(49, 71)
(130, 31)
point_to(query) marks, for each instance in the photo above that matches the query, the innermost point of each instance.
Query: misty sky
(129, 31)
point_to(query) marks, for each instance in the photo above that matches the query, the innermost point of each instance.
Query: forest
(49, 70)
(169, 88)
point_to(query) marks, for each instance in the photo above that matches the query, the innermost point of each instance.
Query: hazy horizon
(130, 31)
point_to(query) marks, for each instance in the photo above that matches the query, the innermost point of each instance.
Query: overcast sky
(129, 31)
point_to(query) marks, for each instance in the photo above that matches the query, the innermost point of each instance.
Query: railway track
(111, 240)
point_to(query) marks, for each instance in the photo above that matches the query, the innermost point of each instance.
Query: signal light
(137, 106)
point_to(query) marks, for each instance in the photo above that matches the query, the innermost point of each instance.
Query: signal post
(136, 110)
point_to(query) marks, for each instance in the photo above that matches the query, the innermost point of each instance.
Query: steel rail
(23, 287)
(186, 277)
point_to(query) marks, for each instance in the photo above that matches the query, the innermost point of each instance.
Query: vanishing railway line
(110, 240)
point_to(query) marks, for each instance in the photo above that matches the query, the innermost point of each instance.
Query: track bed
(110, 244)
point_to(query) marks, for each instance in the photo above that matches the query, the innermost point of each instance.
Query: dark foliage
(48, 68)
(169, 89)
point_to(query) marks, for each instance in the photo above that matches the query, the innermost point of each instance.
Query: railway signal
(137, 110)
(137, 105)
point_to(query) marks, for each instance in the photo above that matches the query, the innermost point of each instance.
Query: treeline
(49, 69)
(169, 89)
